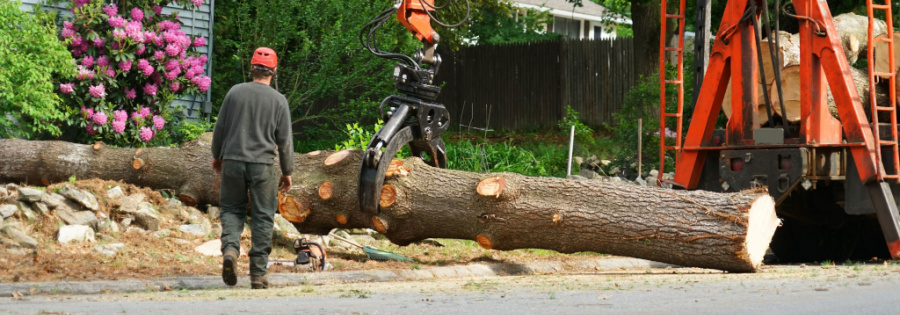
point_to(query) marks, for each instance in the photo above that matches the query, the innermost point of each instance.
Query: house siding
(196, 22)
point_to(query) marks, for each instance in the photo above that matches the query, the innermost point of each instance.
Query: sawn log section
(504, 211)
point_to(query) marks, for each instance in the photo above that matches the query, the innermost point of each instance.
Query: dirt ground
(145, 256)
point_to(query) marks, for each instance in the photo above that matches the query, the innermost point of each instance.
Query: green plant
(132, 62)
(583, 133)
(358, 138)
(30, 55)
(188, 130)
(486, 158)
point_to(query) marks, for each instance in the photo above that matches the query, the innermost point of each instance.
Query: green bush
(466, 155)
(583, 133)
(30, 54)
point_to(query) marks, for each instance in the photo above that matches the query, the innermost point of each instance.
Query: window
(568, 27)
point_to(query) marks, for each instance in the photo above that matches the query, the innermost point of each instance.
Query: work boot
(229, 262)
(259, 282)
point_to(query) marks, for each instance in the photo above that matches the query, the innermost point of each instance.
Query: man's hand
(217, 165)
(285, 183)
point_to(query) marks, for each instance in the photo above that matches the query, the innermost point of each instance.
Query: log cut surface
(504, 211)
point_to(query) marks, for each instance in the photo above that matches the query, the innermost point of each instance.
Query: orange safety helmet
(265, 56)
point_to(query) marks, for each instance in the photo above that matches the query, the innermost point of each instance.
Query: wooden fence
(525, 86)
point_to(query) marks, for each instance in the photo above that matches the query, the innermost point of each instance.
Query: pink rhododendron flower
(111, 9)
(90, 129)
(146, 134)
(115, 45)
(173, 50)
(67, 88)
(98, 42)
(150, 37)
(125, 65)
(118, 126)
(199, 41)
(76, 41)
(84, 73)
(130, 93)
(175, 86)
(110, 71)
(100, 118)
(97, 91)
(87, 112)
(145, 67)
(118, 34)
(69, 25)
(134, 30)
(158, 122)
(159, 55)
(202, 82)
(140, 49)
(172, 64)
(137, 14)
(103, 61)
(136, 117)
(144, 112)
(120, 115)
(67, 33)
(87, 61)
(150, 89)
(157, 9)
(116, 21)
(197, 2)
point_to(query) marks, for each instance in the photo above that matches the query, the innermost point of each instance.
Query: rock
(7, 211)
(41, 208)
(175, 202)
(3, 192)
(197, 217)
(211, 248)
(109, 250)
(83, 198)
(30, 194)
(161, 234)
(75, 234)
(135, 229)
(195, 229)
(108, 226)
(26, 211)
(16, 234)
(77, 217)
(130, 204)
(640, 181)
(147, 217)
(213, 213)
(115, 193)
(52, 200)
(217, 229)
(127, 221)
(105, 237)
(286, 226)
(16, 251)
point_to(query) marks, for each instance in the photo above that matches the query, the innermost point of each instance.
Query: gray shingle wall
(196, 22)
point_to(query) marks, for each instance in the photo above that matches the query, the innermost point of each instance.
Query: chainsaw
(309, 253)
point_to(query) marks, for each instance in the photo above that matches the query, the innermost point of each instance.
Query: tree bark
(504, 211)
(646, 36)
(790, 78)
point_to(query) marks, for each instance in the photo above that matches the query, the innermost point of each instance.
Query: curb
(318, 278)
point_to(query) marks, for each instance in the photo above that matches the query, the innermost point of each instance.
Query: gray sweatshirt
(253, 120)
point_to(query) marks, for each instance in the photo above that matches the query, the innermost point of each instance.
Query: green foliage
(30, 55)
(642, 101)
(357, 137)
(583, 133)
(502, 24)
(327, 76)
(188, 130)
(490, 158)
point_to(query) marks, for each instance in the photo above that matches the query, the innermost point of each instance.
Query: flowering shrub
(131, 63)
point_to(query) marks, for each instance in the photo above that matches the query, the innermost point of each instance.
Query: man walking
(253, 121)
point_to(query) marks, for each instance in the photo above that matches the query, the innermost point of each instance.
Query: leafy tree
(323, 70)
(502, 24)
(29, 55)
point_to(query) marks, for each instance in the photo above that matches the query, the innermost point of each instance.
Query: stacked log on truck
(853, 31)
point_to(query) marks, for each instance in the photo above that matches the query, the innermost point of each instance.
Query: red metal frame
(412, 15)
(891, 110)
(734, 55)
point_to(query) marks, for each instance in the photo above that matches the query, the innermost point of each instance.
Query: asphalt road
(850, 289)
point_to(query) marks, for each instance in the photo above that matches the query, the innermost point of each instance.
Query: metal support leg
(888, 217)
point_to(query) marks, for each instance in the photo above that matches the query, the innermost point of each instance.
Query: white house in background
(589, 21)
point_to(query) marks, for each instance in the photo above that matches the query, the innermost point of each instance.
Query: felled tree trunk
(853, 30)
(790, 78)
(500, 211)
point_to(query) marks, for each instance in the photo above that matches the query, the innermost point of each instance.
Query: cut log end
(396, 167)
(380, 225)
(484, 241)
(137, 164)
(762, 225)
(341, 219)
(325, 190)
(97, 146)
(337, 157)
(557, 218)
(314, 153)
(388, 195)
(291, 209)
(491, 187)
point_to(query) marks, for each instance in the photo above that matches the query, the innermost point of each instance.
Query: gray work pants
(260, 180)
